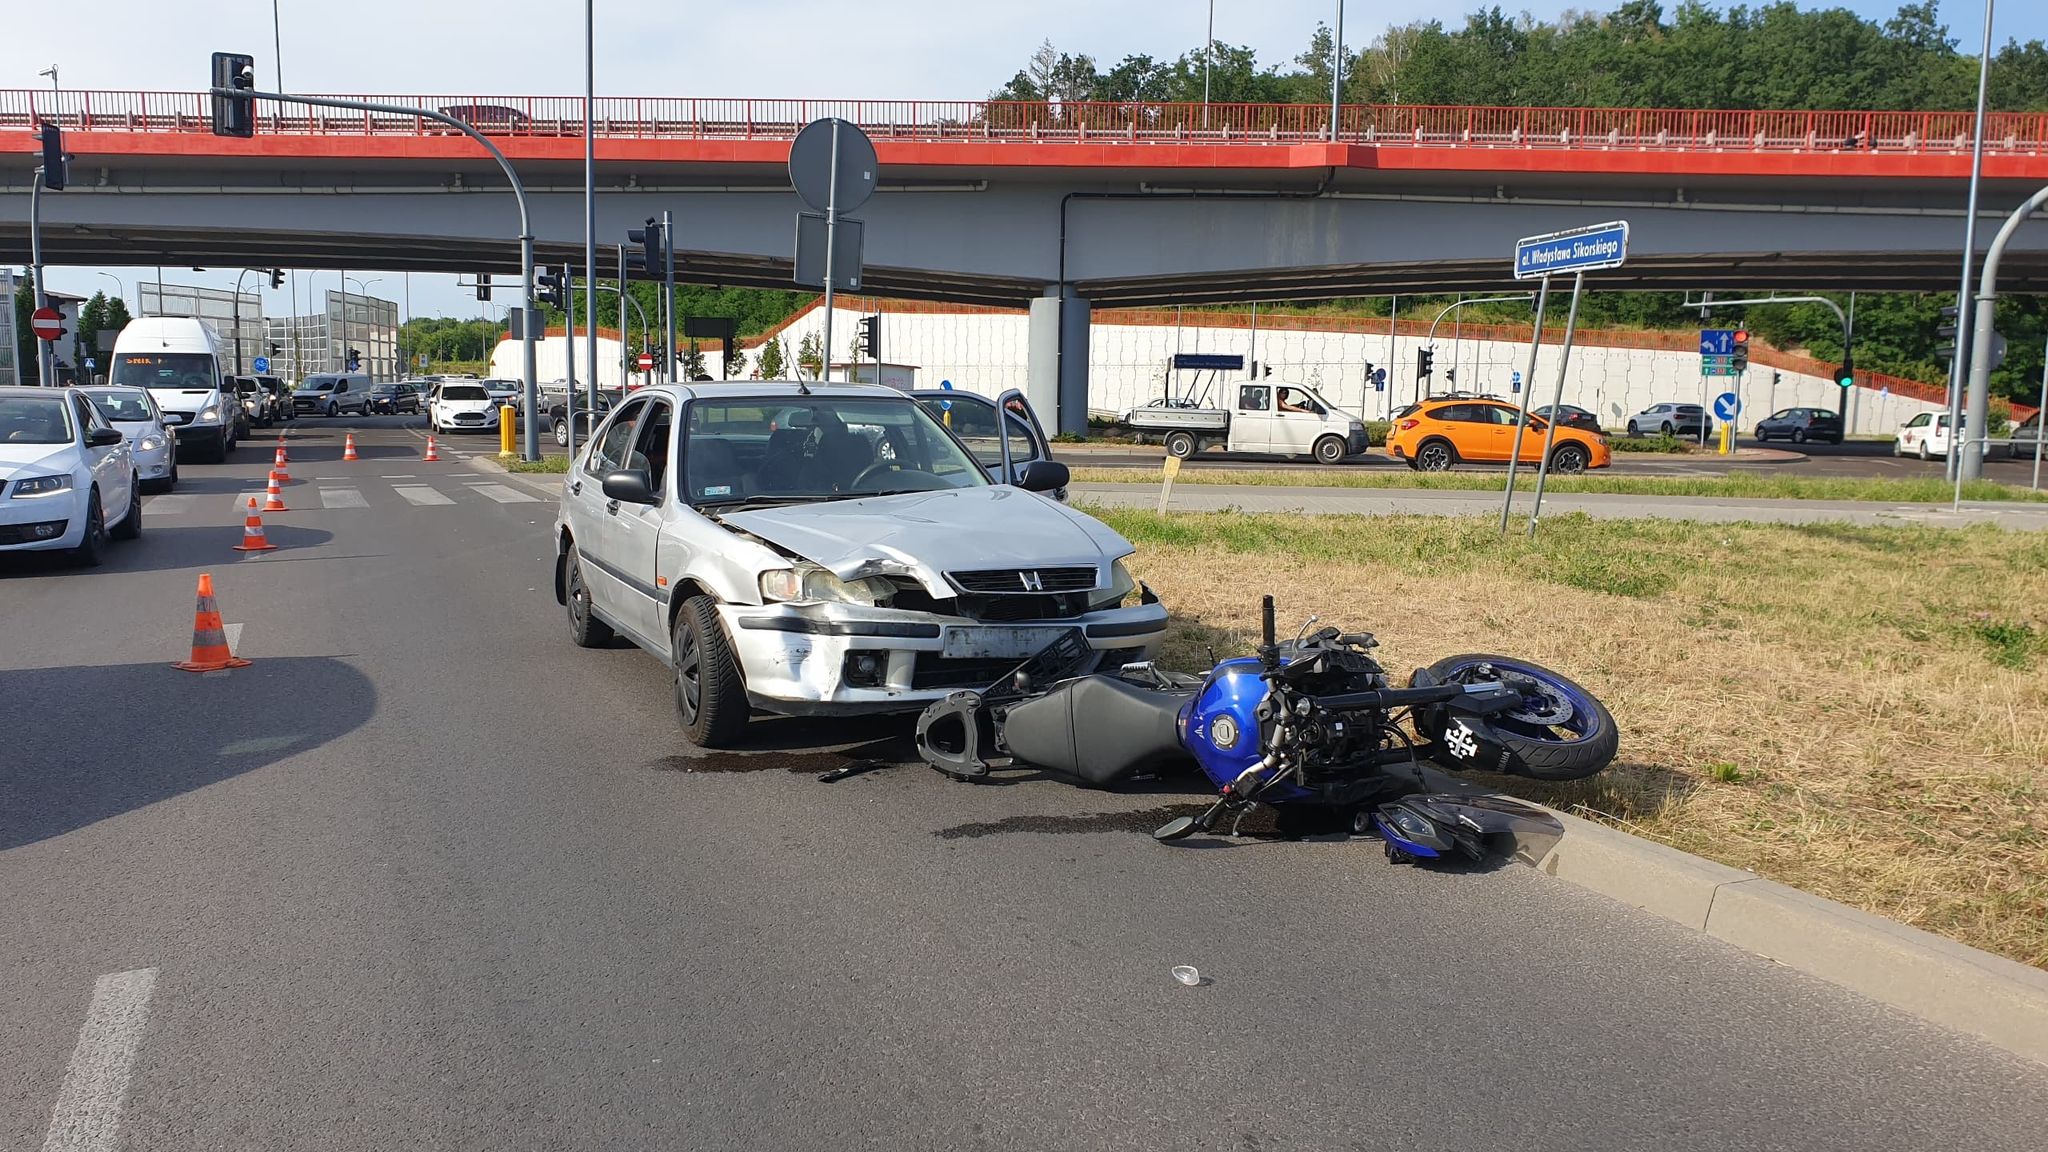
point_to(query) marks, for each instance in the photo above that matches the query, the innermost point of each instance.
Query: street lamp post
(120, 288)
(344, 311)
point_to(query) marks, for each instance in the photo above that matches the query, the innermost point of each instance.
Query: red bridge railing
(691, 118)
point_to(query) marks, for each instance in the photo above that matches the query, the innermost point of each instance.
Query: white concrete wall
(552, 360)
(1127, 366)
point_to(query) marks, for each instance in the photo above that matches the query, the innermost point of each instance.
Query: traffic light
(871, 337)
(1268, 369)
(652, 255)
(1740, 360)
(1945, 332)
(234, 115)
(483, 285)
(552, 289)
(276, 349)
(355, 360)
(277, 277)
(1424, 362)
(1450, 375)
(55, 165)
(1845, 376)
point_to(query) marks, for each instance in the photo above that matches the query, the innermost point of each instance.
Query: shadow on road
(101, 741)
(163, 548)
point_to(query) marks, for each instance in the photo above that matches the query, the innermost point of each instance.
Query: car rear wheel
(1435, 456)
(584, 626)
(1330, 450)
(131, 524)
(1924, 453)
(1666, 429)
(1569, 459)
(93, 547)
(561, 431)
(1180, 445)
(711, 701)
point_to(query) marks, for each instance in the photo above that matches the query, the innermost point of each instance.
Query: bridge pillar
(1057, 373)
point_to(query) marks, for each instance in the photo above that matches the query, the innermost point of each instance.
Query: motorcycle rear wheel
(1542, 744)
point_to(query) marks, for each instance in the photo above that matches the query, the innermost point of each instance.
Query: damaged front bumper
(810, 659)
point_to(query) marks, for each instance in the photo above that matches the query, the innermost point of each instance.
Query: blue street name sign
(1208, 360)
(1579, 250)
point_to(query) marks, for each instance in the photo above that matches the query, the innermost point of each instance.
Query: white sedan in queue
(462, 408)
(154, 446)
(67, 477)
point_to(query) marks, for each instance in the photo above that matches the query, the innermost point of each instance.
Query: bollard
(1727, 437)
(508, 418)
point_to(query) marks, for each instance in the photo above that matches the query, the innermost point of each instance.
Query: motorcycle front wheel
(1561, 732)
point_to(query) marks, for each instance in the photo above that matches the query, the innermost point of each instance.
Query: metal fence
(690, 118)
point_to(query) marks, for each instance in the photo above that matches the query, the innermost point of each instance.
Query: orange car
(1439, 432)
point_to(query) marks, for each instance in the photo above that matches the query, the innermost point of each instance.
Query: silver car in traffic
(153, 444)
(827, 549)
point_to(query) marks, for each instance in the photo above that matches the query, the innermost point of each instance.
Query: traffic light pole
(668, 296)
(1848, 361)
(46, 350)
(531, 445)
(1522, 414)
(1975, 423)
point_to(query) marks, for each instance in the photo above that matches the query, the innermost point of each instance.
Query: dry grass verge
(1735, 485)
(1861, 712)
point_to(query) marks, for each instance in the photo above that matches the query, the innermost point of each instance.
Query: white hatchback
(154, 446)
(67, 477)
(1925, 436)
(462, 408)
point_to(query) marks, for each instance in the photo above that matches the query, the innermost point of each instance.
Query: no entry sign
(645, 363)
(46, 324)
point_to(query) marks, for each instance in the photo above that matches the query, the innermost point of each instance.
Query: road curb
(534, 482)
(1931, 977)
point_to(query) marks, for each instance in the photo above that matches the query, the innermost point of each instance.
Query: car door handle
(611, 507)
(575, 487)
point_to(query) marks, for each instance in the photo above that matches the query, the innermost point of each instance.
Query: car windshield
(122, 404)
(818, 448)
(464, 392)
(194, 370)
(34, 420)
(385, 390)
(317, 386)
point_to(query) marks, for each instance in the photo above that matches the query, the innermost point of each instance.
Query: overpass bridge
(1056, 206)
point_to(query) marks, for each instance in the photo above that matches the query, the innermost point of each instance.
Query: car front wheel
(1569, 459)
(561, 432)
(711, 700)
(1330, 450)
(92, 548)
(1633, 430)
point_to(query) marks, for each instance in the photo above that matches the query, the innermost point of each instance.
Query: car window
(1253, 398)
(612, 439)
(973, 419)
(819, 448)
(125, 404)
(1463, 414)
(463, 392)
(651, 445)
(88, 416)
(1297, 400)
(33, 420)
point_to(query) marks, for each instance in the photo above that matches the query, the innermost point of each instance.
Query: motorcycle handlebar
(1385, 698)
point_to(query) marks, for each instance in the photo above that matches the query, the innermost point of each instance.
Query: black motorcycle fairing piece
(957, 736)
(1097, 729)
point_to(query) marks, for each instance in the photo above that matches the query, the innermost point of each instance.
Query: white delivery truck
(174, 358)
(1279, 419)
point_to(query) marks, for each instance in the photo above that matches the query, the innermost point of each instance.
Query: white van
(174, 358)
(331, 394)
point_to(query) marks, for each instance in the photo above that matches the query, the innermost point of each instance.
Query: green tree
(693, 362)
(772, 360)
(810, 360)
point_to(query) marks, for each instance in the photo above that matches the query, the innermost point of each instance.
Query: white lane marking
(342, 498)
(88, 1113)
(420, 495)
(466, 474)
(401, 476)
(234, 634)
(503, 494)
(168, 505)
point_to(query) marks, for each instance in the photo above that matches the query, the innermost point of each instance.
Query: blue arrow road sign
(1379, 379)
(261, 364)
(1727, 406)
(1515, 382)
(1579, 250)
(1717, 341)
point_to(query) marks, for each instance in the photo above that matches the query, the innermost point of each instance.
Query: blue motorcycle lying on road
(1312, 728)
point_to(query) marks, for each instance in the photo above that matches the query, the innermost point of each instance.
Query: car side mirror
(630, 486)
(1043, 476)
(103, 437)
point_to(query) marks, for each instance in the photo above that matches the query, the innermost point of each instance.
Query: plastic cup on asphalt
(1187, 974)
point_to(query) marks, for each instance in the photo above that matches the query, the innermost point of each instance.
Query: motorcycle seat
(1098, 729)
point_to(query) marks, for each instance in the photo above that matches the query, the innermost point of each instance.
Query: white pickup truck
(1280, 419)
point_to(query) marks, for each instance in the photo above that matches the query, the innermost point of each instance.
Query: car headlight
(1122, 585)
(810, 582)
(207, 414)
(150, 444)
(42, 486)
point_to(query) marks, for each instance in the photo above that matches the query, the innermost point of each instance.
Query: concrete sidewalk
(1433, 502)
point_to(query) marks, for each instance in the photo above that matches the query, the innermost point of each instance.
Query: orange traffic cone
(273, 500)
(281, 473)
(431, 454)
(280, 450)
(253, 539)
(209, 640)
(348, 447)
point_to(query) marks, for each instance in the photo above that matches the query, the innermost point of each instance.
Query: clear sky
(883, 49)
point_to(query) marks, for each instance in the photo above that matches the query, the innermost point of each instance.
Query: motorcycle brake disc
(1542, 705)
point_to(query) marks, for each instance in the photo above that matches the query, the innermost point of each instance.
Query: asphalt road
(426, 876)
(1855, 458)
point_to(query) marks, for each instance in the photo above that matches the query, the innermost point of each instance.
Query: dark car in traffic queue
(1800, 425)
(1570, 416)
(392, 399)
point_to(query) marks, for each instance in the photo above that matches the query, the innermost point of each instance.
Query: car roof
(773, 390)
(21, 390)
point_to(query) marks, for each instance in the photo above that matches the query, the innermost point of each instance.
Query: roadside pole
(590, 201)
(46, 350)
(1522, 416)
(1959, 370)
(569, 354)
(1982, 338)
(668, 295)
(1564, 359)
(2041, 421)
(831, 242)
(625, 359)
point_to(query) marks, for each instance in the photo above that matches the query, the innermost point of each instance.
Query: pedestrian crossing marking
(419, 495)
(504, 494)
(342, 498)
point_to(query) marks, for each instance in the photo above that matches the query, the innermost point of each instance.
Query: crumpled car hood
(924, 535)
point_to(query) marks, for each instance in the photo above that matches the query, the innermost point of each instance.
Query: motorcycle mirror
(1175, 829)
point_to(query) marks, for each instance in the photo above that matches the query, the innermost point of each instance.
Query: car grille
(1023, 581)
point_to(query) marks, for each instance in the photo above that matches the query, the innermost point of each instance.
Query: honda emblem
(1031, 581)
